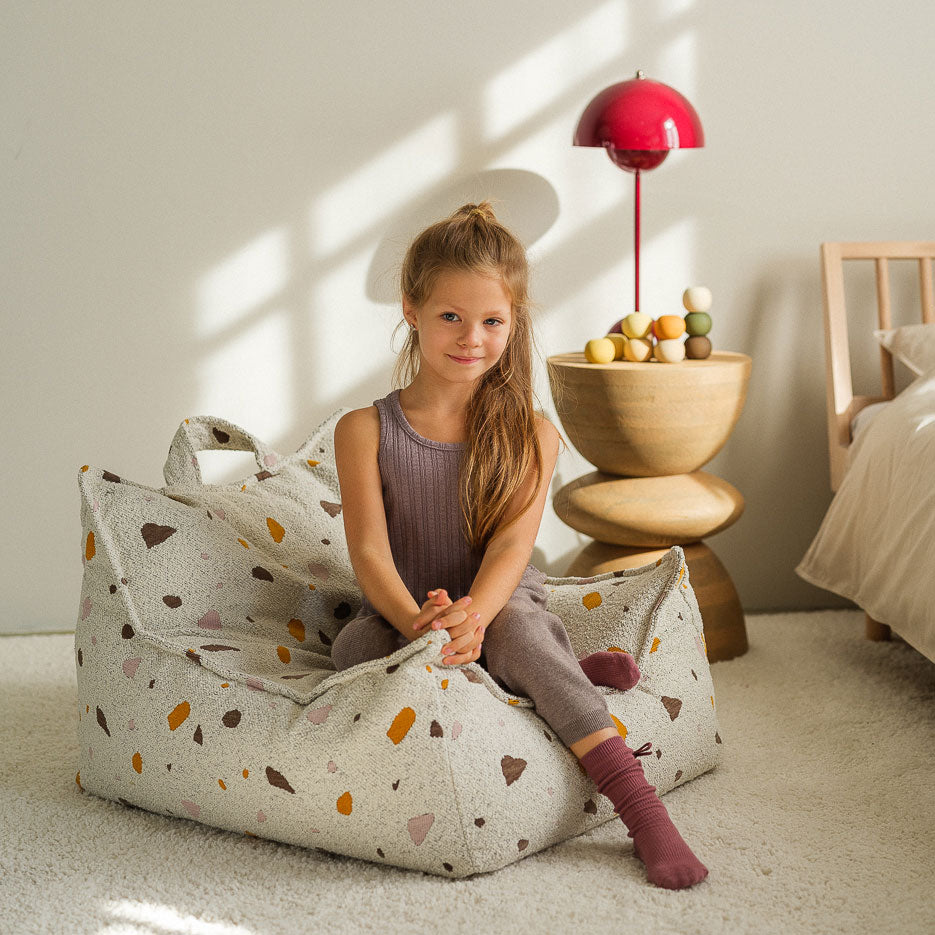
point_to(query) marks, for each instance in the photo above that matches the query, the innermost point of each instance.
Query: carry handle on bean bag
(206, 433)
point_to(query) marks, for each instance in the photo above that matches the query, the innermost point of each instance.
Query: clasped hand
(439, 612)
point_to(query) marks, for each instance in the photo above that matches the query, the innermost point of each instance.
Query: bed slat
(842, 405)
(925, 287)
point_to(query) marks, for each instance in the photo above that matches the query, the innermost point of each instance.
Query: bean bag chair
(206, 689)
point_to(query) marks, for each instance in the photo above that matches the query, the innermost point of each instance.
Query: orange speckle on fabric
(312, 587)
(179, 714)
(512, 701)
(712, 700)
(275, 530)
(681, 572)
(428, 668)
(283, 653)
(246, 773)
(89, 547)
(444, 683)
(312, 463)
(78, 780)
(87, 708)
(243, 487)
(84, 467)
(345, 804)
(225, 684)
(592, 600)
(221, 784)
(244, 544)
(655, 646)
(621, 727)
(616, 649)
(401, 725)
(138, 762)
(297, 629)
(704, 643)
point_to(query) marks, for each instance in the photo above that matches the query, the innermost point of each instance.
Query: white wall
(203, 203)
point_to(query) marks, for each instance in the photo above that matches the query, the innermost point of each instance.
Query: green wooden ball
(697, 323)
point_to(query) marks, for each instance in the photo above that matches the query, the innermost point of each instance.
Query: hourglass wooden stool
(648, 428)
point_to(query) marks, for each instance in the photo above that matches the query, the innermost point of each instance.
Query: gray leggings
(526, 650)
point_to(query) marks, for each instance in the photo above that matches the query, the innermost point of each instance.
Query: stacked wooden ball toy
(640, 339)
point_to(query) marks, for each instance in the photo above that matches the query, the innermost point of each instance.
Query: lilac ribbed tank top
(423, 517)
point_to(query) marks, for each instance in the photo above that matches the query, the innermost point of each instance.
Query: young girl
(444, 481)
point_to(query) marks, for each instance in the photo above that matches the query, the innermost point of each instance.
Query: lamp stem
(636, 239)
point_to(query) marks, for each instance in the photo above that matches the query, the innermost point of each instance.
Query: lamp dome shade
(641, 115)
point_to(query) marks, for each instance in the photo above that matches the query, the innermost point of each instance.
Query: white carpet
(821, 819)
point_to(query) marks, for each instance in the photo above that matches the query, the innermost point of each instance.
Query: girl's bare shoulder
(359, 429)
(548, 433)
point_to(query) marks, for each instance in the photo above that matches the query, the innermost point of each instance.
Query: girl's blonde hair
(501, 444)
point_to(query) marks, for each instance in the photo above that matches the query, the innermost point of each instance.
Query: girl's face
(467, 316)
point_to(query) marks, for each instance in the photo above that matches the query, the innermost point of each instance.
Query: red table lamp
(638, 122)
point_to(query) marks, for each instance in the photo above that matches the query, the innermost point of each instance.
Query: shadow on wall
(531, 211)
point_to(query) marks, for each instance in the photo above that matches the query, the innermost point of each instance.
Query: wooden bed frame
(842, 404)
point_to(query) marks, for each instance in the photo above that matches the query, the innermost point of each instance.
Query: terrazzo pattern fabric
(206, 689)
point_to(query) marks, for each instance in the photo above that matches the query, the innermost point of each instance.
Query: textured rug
(821, 819)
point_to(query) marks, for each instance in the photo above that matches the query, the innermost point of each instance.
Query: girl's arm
(496, 580)
(508, 552)
(356, 446)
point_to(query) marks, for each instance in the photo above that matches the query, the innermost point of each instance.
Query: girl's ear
(409, 312)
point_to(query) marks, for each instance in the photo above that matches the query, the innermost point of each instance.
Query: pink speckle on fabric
(210, 621)
(419, 827)
(318, 715)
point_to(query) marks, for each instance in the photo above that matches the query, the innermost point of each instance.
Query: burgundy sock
(615, 670)
(619, 775)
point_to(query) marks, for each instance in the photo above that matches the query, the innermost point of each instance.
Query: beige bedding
(876, 543)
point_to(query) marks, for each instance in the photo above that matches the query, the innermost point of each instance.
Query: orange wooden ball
(668, 327)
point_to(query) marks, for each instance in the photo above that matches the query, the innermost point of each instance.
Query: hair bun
(483, 210)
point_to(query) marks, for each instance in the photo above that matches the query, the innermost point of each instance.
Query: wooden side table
(648, 428)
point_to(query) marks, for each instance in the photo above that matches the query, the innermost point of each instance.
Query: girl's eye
(497, 320)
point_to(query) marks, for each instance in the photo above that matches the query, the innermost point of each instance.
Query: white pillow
(914, 345)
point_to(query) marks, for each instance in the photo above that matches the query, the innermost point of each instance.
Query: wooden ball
(637, 325)
(697, 299)
(669, 326)
(638, 350)
(599, 351)
(670, 351)
(620, 343)
(698, 323)
(697, 347)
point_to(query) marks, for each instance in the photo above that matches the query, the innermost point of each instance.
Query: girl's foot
(613, 669)
(619, 775)
(668, 859)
